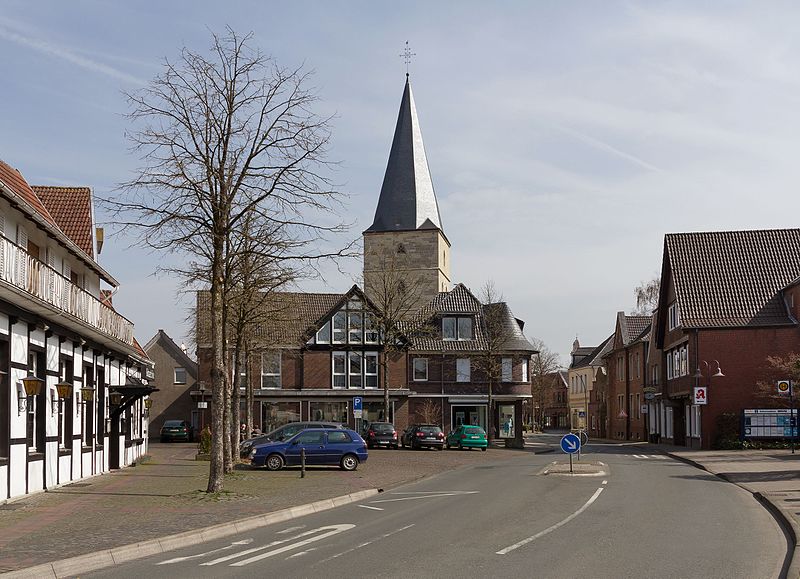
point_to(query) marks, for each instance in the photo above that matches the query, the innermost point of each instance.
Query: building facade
(175, 378)
(586, 377)
(73, 376)
(728, 300)
(627, 376)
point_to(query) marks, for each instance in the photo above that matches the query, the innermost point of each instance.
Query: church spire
(407, 199)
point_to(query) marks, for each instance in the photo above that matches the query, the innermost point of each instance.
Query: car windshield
(173, 423)
(474, 430)
(430, 429)
(382, 427)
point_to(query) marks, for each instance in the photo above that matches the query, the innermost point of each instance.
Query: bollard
(302, 463)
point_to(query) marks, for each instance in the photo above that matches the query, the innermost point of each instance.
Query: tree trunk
(490, 416)
(248, 391)
(236, 411)
(386, 405)
(228, 423)
(216, 464)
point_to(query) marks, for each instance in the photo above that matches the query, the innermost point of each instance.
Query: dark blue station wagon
(323, 446)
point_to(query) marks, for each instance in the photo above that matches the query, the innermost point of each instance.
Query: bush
(728, 436)
(204, 445)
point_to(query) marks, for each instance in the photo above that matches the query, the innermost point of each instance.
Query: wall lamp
(87, 394)
(30, 385)
(115, 398)
(64, 390)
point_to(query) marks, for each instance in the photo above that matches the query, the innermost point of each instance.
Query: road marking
(301, 553)
(290, 530)
(416, 497)
(369, 507)
(431, 492)
(200, 555)
(331, 530)
(389, 534)
(553, 527)
(605, 482)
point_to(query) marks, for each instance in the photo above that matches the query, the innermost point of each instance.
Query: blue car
(323, 446)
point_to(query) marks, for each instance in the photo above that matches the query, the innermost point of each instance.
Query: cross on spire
(407, 55)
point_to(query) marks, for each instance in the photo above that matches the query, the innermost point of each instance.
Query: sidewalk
(164, 495)
(772, 476)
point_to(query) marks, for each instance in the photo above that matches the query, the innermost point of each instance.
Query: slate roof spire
(407, 201)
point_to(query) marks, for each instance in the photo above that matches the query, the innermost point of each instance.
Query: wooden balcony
(44, 284)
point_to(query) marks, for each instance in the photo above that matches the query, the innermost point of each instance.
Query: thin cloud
(63, 53)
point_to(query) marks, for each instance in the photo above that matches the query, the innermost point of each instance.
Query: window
(457, 328)
(309, 437)
(525, 377)
(338, 437)
(271, 369)
(673, 316)
(370, 333)
(654, 377)
(88, 408)
(340, 370)
(180, 375)
(355, 370)
(463, 368)
(324, 334)
(677, 362)
(35, 419)
(339, 327)
(638, 366)
(420, 369)
(506, 367)
(355, 327)
(371, 370)
(620, 368)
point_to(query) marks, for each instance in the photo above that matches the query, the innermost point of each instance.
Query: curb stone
(125, 553)
(790, 528)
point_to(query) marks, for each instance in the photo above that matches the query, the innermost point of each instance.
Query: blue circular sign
(570, 443)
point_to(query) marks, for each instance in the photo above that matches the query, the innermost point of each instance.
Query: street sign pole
(570, 463)
(792, 419)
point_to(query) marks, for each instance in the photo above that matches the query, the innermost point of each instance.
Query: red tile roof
(14, 180)
(71, 207)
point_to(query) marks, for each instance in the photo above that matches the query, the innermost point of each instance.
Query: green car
(467, 437)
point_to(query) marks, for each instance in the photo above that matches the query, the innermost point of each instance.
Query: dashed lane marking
(364, 544)
(369, 507)
(201, 555)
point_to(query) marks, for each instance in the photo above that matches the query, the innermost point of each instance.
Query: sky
(564, 139)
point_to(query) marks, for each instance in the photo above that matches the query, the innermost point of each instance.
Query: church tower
(406, 238)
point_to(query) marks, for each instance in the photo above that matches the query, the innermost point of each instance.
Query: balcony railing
(19, 269)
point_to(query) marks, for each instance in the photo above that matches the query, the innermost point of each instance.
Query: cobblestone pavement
(164, 495)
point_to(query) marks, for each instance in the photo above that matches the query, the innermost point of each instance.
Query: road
(649, 516)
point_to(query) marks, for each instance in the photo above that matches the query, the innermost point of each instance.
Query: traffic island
(578, 468)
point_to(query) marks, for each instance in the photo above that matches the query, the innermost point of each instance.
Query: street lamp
(699, 375)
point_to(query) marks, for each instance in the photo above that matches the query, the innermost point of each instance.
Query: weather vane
(407, 55)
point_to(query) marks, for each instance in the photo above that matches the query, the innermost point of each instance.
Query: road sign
(784, 386)
(570, 443)
(700, 395)
(358, 403)
(649, 395)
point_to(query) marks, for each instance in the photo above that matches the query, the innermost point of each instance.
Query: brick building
(727, 301)
(554, 401)
(320, 350)
(626, 362)
(175, 378)
(586, 377)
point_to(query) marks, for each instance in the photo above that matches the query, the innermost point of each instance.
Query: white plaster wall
(3, 481)
(4, 324)
(63, 472)
(35, 476)
(17, 464)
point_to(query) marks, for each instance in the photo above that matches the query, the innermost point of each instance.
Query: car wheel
(484, 449)
(274, 462)
(349, 462)
(448, 446)
(460, 446)
(440, 448)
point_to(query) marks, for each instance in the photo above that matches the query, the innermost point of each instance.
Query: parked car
(281, 433)
(381, 434)
(323, 446)
(176, 430)
(423, 436)
(466, 436)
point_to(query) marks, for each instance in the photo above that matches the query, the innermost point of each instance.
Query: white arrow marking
(553, 527)
(571, 445)
(301, 553)
(200, 555)
(332, 530)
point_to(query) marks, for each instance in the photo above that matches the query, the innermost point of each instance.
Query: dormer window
(673, 317)
(456, 328)
(353, 324)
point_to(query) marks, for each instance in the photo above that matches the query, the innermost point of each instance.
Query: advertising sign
(770, 423)
(700, 395)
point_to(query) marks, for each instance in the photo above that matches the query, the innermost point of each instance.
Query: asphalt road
(649, 516)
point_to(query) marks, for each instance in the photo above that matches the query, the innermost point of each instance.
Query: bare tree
(429, 412)
(786, 367)
(395, 298)
(545, 364)
(221, 137)
(646, 294)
